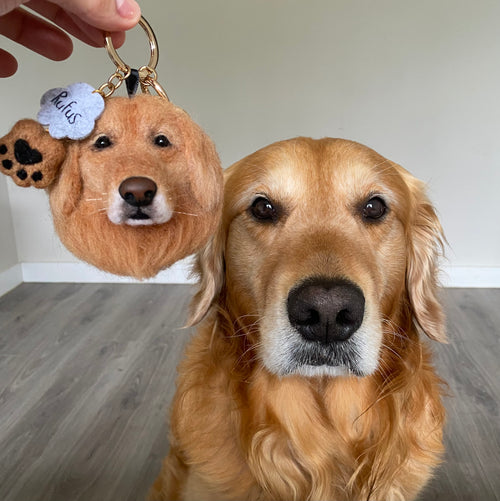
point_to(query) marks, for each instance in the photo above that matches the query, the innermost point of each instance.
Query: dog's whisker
(254, 347)
(398, 355)
(248, 315)
(396, 332)
(383, 369)
(245, 329)
(240, 318)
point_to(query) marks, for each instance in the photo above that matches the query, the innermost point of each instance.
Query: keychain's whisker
(185, 213)
(103, 210)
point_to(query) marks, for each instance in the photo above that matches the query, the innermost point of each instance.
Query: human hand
(84, 19)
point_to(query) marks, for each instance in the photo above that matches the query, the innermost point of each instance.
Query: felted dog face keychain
(131, 192)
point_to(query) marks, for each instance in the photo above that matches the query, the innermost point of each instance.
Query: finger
(36, 34)
(8, 64)
(107, 15)
(91, 35)
(72, 23)
(8, 5)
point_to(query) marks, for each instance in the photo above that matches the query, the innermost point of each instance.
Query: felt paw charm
(30, 155)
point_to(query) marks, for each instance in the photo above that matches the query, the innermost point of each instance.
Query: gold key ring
(147, 74)
(153, 45)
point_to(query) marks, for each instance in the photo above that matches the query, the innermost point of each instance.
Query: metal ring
(153, 45)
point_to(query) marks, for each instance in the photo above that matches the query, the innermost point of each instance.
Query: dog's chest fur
(296, 438)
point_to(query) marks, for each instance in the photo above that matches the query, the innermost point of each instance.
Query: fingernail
(127, 8)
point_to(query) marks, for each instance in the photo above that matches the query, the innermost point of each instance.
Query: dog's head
(325, 250)
(142, 191)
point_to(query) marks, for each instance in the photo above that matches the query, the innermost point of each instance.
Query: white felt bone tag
(70, 111)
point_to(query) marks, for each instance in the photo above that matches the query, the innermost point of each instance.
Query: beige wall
(417, 81)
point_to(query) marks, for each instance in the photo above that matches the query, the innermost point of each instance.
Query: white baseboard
(81, 272)
(470, 276)
(11, 278)
(451, 276)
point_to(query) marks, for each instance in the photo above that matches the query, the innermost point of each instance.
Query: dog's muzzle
(138, 203)
(138, 192)
(326, 311)
(326, 314)
(325, 327)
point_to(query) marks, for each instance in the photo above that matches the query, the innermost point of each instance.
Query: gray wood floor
(87, 373)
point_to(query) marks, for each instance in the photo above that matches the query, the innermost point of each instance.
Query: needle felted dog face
(141, 192)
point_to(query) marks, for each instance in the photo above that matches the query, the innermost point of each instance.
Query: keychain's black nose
(138, 191)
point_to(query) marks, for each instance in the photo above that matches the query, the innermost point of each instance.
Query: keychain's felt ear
(30, 155)
(66, 193)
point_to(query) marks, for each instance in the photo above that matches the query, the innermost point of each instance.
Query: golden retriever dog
(141, 192)
(308, 378)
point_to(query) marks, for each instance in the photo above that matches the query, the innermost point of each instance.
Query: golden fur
(83, 183)
(239, 431)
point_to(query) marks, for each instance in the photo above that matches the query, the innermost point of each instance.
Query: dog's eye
(162, 141)
(102, 142)
(263, 210)
(374, 209)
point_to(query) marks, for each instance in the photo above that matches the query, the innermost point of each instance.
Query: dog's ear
(204, 167)
(425, 245)
(210, 268)
(30, 155)
(66, 193)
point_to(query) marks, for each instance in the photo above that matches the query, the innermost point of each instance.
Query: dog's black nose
(138, 191)
(326, 310)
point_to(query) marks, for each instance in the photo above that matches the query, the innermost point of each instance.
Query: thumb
(8, 5)
(108, 15)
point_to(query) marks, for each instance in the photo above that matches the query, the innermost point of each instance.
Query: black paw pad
(3, 149)
(26, 155)
(7, 164)
(22, 174)
(37, 176)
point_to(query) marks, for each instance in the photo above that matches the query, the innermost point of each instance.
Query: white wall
(417, 81)
(8, 251)
(10, 270)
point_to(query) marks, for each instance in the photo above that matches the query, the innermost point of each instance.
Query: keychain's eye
(162, 141)
(102, 142)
